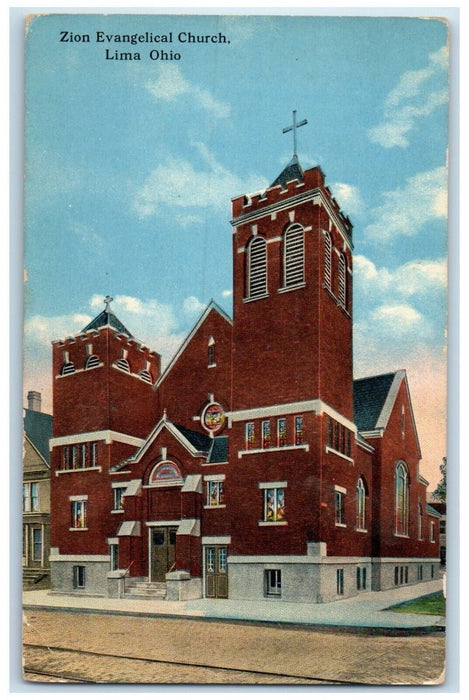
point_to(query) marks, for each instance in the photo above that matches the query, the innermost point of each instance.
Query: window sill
(303, 446)
(400, 534)
(246, 300)
(78, 529)
(220, 505)
(339, 454)
(74, 471)
(212, 365)
(361, 529)
(121, 510)
(291, 288)
(340, 525)
(268, 523)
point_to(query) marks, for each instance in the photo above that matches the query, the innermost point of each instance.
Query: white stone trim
(339, 454)
(189, 526)
(83, 558)
(316, 196)
(162, 523)
(81, 469)
(269, 523)
(260, 450)
(316, 406)
(298, 559)
(214, 477)
(108, 436)
(340, 489)
(273, 484)
(78, 498)
(119, 484)
(216, 539)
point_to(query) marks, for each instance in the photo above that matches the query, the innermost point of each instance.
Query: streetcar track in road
(185, 664)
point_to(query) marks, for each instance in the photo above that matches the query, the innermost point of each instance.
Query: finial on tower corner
(107, 301)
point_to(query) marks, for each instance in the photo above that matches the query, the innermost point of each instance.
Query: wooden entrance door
(162, 550)
(216, 571)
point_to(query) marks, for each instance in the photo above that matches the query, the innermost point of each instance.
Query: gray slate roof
(293, 171)
(219, 450)
(369, 395)
(107, 318)
(199, 441)
(38, 428)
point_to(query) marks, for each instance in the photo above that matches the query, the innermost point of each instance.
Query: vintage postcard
(235, 349)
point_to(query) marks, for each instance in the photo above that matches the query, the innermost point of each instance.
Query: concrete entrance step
(145, 590)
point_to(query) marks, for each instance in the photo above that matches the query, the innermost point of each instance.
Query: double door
(216, 571)
(162, 551)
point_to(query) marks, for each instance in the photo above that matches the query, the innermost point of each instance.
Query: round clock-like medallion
(213, 417)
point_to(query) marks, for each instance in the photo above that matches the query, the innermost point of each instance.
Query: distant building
(254, 466)
(37, 431)
(440, 508)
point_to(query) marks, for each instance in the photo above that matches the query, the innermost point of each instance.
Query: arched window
(401, 479)
(361, 504)
(145, 375)
(257, 267)
(293, 256)
(91, 361)
(343, 280)
(67, 368)
(327, 259)
(122, 363)
(211, 352)
(165, 473)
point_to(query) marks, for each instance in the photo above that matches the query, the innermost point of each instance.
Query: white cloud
(177, 183)
(348, 197)
(414, 278)
(192, 306)
(411, 99)
(406, 210)
(171, 84)
(227, 293)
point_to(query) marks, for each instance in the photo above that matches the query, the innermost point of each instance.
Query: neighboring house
(37, 431)
(440, 508)
(254, 466)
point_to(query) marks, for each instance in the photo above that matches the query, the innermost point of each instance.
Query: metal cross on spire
(293, 128)
(107, 301)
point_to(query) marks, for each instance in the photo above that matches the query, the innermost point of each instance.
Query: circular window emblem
(213, 417)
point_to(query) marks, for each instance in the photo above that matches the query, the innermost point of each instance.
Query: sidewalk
(366, 610)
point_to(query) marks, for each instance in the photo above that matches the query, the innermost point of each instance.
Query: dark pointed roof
(369, 396)
(38, 428)
(293, 171)
(107, 318)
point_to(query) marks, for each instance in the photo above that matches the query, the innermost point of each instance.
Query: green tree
(439, 493)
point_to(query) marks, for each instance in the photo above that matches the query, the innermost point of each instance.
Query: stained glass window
(282, 432)
(249, 436)
(78, 514)
(265, 434)
(274, 505)
(298, 430)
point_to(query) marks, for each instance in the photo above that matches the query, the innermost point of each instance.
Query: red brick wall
(390, 449)
(184, 390)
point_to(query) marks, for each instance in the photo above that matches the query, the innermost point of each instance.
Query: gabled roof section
(293, 171)
(38, 430)
(374, 399)
(369, 397)
(197, 444)
(106, 319)
(212, 306)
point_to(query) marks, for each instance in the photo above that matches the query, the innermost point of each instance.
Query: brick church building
(253, 466)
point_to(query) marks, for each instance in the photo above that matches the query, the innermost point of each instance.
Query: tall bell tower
(292, 262)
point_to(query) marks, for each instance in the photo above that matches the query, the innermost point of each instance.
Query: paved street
(201, 651)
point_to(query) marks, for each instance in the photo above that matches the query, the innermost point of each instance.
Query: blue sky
(131, 166)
